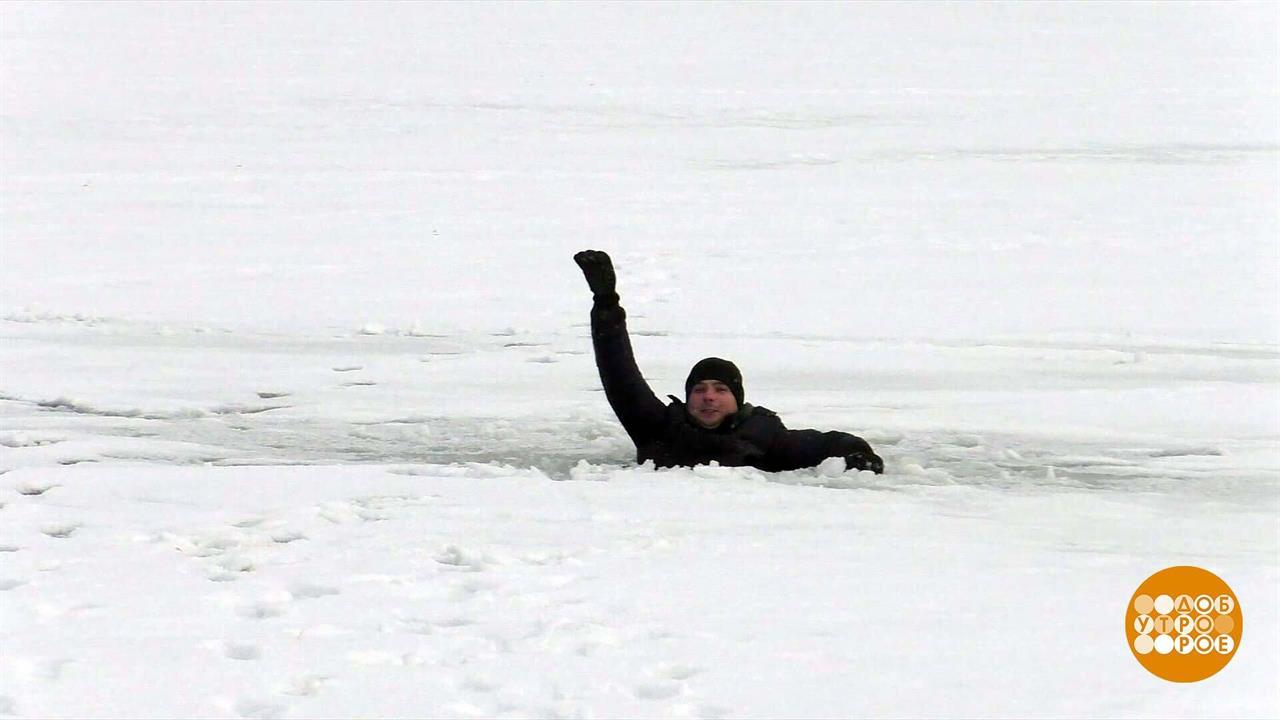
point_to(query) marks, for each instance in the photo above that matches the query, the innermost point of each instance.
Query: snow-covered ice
(299, 418)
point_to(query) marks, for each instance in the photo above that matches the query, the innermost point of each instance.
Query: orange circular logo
(1183, 624)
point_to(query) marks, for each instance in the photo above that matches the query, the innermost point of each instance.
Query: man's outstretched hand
(598, 269)
(858, 455)
(865, 460)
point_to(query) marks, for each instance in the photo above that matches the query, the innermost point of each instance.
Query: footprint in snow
(322, 630)
(306, 685)
(415, 625)
(675, 671)
(454, 556)
(61, 531)
(340, 513)
(50, 612)
(260, 610)
(464, 709)
(699, 710)
(309, 591)
(657, 690)
(259, 708)
(470, 587)
(241, 651)
(7, 584)
(32, 489)
(234, 563)
(284, 537)
(376, 658)
(43, 669)
(208, 545)
(476, 683)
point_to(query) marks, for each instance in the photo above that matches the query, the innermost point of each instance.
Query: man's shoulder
(757, 416)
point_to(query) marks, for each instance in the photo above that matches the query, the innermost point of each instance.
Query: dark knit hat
(714, 368)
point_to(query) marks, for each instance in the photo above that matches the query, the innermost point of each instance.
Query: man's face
(710, 402)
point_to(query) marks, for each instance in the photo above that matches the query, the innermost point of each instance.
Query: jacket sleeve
(795, 449)
(638, 409)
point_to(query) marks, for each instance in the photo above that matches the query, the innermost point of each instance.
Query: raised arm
(638, 409)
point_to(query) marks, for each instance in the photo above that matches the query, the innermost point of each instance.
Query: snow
(299, 418)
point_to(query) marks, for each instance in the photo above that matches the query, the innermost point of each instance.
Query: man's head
(713, 391)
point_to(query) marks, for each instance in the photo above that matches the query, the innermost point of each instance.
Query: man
(713, 423)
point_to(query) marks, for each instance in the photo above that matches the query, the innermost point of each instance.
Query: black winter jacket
(665, 434)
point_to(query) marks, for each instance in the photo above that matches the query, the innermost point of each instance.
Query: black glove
(857, 453)
(864, 460)
(598, 269)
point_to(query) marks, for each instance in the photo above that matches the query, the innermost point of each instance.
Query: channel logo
(1184, 624)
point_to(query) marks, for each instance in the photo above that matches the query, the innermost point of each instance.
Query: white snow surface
(299, 416)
